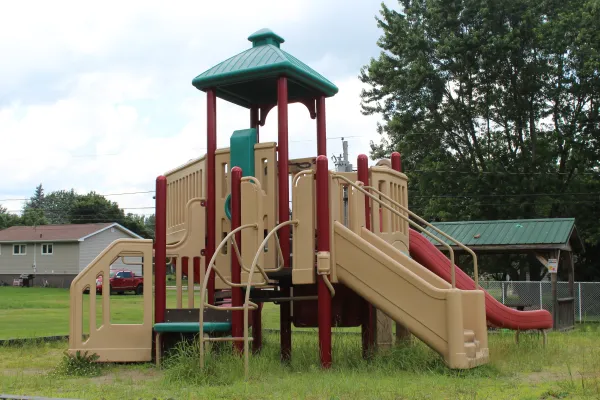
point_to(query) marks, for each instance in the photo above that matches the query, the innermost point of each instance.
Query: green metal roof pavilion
(250, 77)
(513, 235)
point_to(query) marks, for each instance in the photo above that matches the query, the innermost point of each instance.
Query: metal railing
(445, 235)
(361, 188)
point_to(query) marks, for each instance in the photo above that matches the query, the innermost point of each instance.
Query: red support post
(285, 320)
(321, 127)
(237, 317)
(254, 122)
(368, 325)
(160, 251)
(323, 245)
(211, 148)
(257, 329)
(396, 161)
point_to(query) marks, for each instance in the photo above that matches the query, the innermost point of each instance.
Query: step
(477, 346)
(471, 350)
(469, 335)
(192, 327)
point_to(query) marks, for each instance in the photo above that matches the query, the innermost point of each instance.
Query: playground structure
(344, 256)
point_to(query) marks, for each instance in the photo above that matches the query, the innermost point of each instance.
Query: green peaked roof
(518, 233)
(250, 77)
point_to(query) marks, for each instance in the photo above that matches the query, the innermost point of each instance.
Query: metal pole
(285, 320)
(503, 300)
(237, 316)
(579, 285)
(321, 127)
(323, 245)
(368, 323)
(160, 251)
(211, 148)
(541, 304)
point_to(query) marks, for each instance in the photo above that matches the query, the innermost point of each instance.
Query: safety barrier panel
(112, 342)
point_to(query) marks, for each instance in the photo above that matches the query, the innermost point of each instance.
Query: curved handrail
(456, 242)
(250, 274)
(209, 269)
(301, 174)
(364, 191)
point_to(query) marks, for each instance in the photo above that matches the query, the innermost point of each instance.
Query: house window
(47, 249)
(19, 249)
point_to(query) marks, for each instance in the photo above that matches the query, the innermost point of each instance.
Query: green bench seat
(192, 327)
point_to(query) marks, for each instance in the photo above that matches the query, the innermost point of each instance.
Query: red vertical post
(211, 148)
(368, 324)
(254, 120)
(257, 328)
(323, 245)
(285, 321)
(237, 317)
(160, 251)
(396, 161)
(321, 127)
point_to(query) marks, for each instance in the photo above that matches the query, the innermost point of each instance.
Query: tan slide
(450, 321)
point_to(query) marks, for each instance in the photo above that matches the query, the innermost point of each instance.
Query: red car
(121, 281)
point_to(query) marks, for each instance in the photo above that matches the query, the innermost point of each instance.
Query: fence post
(579, 288)
(503, 301)
(541, 304)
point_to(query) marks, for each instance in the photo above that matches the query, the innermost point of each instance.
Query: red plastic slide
(499, 315)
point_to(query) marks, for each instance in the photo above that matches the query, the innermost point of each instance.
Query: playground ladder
(247, 305)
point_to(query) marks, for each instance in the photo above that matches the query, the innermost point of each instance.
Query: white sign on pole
(552, 265)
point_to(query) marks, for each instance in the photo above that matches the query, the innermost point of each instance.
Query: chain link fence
(531, 295)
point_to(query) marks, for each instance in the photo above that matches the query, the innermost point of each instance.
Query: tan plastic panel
(433, 314)
(252, 213)
(223, 225)
(392, 228)
(303, 246)
(112, 342)
(190, 245)
(183, 184)
(265, 169)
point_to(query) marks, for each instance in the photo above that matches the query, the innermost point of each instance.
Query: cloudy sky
(98, 96)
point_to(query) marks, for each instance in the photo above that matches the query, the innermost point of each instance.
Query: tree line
(495, 108)
(68, 207)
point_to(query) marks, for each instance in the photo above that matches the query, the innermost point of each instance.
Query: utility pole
(341, 163)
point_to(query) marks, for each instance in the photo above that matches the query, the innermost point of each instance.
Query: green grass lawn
(569, 367)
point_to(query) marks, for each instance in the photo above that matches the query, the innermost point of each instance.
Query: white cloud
(100, 98)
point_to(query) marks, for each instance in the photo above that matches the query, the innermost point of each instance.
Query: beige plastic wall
(184, 183)
(112, 342)
(189, 245)
(392, 228)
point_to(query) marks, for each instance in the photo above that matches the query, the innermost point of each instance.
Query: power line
(469, 196)
(99, 194)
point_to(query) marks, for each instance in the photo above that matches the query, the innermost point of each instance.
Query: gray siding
(94, 245)
(64, 259)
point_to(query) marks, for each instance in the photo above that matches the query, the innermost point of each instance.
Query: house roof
(558, 233)
(58, 233)
(250, 77)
